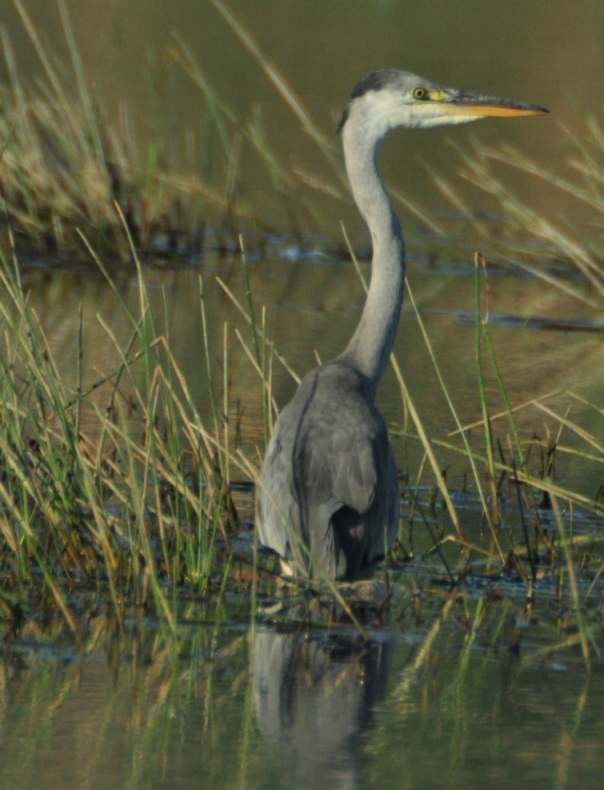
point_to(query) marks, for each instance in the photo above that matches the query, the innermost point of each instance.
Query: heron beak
(459, 103)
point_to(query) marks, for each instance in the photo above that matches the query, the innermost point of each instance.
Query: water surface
(274, 709)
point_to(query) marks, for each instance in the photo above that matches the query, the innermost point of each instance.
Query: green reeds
(131, 496)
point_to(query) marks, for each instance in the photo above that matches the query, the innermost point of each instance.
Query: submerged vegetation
(148, 508)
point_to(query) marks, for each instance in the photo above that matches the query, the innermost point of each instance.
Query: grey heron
(328, 499)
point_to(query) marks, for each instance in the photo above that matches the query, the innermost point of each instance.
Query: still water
(272, 709)
(430, 701)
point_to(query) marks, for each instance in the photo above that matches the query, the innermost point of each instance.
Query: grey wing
(329, 486)
(277, 506)
(352, 493)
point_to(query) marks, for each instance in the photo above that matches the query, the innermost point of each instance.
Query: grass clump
(126, 496)
(63, 165)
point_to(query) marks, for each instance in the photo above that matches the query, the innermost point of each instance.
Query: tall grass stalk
(281, 85)
(463, 434)
(481, 323)
(569, 564)
(501, 467)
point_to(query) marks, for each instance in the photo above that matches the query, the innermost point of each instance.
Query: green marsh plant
(135, 506)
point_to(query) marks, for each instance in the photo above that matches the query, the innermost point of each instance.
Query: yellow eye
(419, 93)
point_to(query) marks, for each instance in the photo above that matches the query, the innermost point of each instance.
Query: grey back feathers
(329, 500)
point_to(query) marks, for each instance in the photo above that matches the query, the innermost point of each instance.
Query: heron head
(388, 99)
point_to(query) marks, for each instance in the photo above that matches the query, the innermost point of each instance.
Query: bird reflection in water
(312, 696)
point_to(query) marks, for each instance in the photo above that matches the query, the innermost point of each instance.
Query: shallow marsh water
(453, 692)
(479, 688)
(269, 708)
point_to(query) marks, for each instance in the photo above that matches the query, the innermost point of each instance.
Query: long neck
(372, 342)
